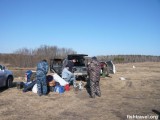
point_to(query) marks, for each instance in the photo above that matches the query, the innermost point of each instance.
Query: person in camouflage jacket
(94, 76)
(41, 72)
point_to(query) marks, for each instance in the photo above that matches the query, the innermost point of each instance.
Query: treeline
(130, 58)
(29, 57)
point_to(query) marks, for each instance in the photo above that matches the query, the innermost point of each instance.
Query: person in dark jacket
(69, 63)
(41, 72)
(94, 69)
(105, 70)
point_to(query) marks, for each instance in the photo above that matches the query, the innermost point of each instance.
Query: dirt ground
(137, 95)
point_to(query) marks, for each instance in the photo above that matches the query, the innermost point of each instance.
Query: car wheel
(9, 82)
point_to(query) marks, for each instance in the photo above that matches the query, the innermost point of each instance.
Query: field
(136, 96)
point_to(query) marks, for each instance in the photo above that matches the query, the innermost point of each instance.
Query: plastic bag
(35, 89)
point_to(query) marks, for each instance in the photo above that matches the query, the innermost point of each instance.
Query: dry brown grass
(137, 95)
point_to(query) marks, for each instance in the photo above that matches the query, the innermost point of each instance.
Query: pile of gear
(54, 83)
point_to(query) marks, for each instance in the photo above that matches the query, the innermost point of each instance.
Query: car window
(79, 62)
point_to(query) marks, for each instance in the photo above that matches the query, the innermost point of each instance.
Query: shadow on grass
(2, 89)
(87, 86)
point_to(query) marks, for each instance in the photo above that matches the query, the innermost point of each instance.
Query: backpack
(28, 74)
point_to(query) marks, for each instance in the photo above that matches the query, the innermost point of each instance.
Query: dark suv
(79, 69)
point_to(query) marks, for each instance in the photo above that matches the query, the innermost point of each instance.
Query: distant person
(68, 76)
(41, 72)
(94, 69)
(105, 71)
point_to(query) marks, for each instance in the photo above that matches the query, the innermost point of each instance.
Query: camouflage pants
(95, 89)
(42, 85)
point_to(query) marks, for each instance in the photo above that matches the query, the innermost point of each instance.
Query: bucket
(66, 87)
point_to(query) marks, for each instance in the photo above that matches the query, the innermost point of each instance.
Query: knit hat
(67, 65)
(94, 58)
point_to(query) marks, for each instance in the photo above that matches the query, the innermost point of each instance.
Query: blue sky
(93, 27)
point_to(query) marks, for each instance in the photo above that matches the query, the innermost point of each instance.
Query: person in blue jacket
(41, 72)
(68, 76)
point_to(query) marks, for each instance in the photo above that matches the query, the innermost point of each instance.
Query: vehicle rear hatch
(111, 67)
